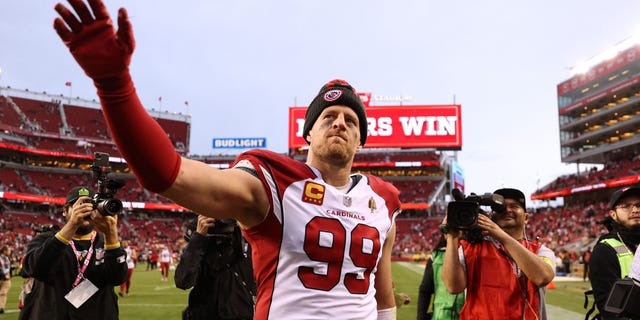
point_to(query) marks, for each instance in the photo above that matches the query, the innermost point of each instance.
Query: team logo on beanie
(332, 95)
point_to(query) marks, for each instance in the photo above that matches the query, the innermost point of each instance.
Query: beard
(336, 154)
(82, 230)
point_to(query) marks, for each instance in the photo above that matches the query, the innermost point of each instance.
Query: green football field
(151, 298)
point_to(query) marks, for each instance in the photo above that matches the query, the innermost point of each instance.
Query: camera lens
(467, 217)
(462, 214)
(109, 207)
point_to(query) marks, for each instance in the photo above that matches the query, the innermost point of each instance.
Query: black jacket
(604, 267)
(426, 292)
(54, 266)
(220, 271)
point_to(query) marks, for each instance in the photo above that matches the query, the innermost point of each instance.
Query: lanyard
(82, 269)
(512, 261)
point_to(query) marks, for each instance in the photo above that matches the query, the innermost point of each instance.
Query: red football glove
(102, 52)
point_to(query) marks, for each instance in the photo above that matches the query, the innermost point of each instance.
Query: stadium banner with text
(239, 143)
(418, 126)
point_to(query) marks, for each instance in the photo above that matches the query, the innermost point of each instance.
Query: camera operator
(217, 264)
(612, 255)
(504, 273)
(76, 268)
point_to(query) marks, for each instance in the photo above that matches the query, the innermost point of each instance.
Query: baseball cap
(336, 92)
(78, 192)
(621, 193)
(515, 194)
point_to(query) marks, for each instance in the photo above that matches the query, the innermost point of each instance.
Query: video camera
(104, 200)
(462, 213)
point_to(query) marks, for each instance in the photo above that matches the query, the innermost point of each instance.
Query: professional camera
(462, 213)
(104, 200)
(46, 228)
(222, 227)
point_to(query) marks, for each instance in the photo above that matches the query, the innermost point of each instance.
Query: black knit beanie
(335, 92)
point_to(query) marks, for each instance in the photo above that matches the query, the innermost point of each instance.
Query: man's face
(513, 216)
(335, 136)
(627, 211)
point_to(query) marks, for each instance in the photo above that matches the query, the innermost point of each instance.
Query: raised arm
(539, 271)
(104, 54)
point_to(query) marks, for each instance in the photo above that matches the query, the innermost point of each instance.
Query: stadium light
(609, 53)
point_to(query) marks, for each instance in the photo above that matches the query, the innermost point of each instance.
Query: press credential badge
(81, 293)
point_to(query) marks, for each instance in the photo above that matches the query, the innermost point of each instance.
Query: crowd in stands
(566, 230)
(56, 184)
(145, 231)
(39, 125)
(612, 170)
(60, 127)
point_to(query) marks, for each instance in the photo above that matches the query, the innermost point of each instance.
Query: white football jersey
(165, 255)
(316, 254)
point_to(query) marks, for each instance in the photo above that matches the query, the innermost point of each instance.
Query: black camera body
(222, 227)
(623, 298)
(104, 200)
(462, 213)
(46, 228)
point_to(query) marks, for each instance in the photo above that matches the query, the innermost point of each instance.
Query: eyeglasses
(628, 206)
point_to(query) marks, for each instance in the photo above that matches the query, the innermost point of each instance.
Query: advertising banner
(419, 126)
(239, 143)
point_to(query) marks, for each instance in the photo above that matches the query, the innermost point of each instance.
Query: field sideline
(151, 298)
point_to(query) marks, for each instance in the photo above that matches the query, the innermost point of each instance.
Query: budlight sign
(239, 143)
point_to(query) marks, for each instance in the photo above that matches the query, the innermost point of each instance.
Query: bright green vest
(445, 305)
(625, 257)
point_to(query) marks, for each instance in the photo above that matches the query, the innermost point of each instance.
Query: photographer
(76, 268)
(504, 273)
(217, 264)
(612, 255)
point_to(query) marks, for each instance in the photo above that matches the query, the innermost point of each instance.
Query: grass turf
(149, 298)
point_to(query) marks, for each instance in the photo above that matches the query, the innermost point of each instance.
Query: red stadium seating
(8, 116)
(45, 114)
(86, 122)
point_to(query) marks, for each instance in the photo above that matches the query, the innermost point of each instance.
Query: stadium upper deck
(599, 110)
(56, 123)
(46, 138)
(599, 123)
